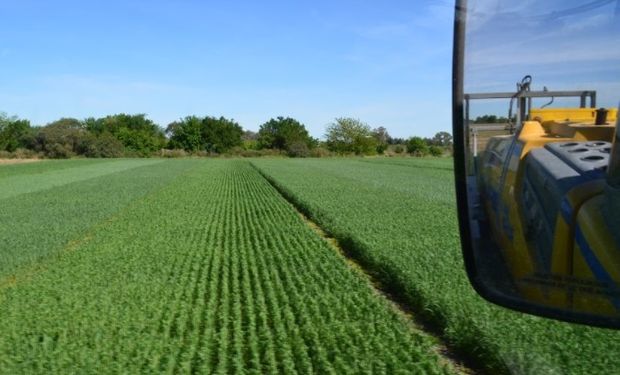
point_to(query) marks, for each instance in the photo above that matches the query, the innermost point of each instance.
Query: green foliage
(61, 139)
(67, 137)
(320, 152)
(399, 149)
(435, 150)
(397, 216)
(20, 153)
(186, 134)
(417, 146)
(211, 134)
(174, 153)
(137, 133)
(396, 141)
(441, 139)
(382, 137)
(104, 145)
(381, 147)
(250, 144)
(14, 133)
(249, 135)
(285, 134)
(350, 136)
(209, 271)
(137, 136)
(491, 119)
(220, 134)
(298, 149)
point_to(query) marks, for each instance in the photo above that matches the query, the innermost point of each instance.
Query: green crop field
(183, 266)
(398, 218)
(203, 266)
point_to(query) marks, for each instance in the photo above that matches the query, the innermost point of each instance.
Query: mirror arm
(459, 129)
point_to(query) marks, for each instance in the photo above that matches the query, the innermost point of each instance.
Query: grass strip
(36, 225)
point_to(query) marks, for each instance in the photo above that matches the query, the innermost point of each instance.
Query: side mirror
(537, 157)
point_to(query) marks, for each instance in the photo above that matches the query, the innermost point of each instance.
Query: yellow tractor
(544, 200)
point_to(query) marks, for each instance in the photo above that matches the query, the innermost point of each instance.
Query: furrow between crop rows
(449, 353)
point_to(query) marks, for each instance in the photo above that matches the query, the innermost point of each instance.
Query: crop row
(398, 218)
(213, 272)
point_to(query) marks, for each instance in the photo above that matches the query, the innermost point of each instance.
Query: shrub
(221, 135)
(251, 153)
(14, 133)
(417, 147)
(298, 150)
(250, 144)
(348, 135)
(282, 133)
(102, 146)
(399, 149)
(381, 147)
(200, 153)
(320, 152)
(261, 153)
(139, 135)
(58, 151)
(435, 151)
(24, 153)
(176, 153)
(60, 139)
(234, 151)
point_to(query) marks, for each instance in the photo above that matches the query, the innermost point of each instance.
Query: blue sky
(562, 44)
(387, 63)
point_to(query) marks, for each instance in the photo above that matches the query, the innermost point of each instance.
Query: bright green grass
(399, 217)
(45, 165)
(37, 224)
(17, 184)
(213, 273)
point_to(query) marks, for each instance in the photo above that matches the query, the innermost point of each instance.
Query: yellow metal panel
(596, 261)
(534, 135)
(584, 115)
(561, 263)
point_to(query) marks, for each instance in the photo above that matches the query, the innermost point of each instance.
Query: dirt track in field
(17, 161)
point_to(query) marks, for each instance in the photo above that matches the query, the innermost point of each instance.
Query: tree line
(135, 135)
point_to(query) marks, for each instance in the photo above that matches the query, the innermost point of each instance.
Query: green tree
(435, 150)
(14, 133)
(416, 146)
(61, 138)
(397, 141)
(221, 134)
(285, 134)
(349, 135)
(136, 132)
(382, 137)
(104, 145)
(442, 139)
(186, 134)
(491, 119)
